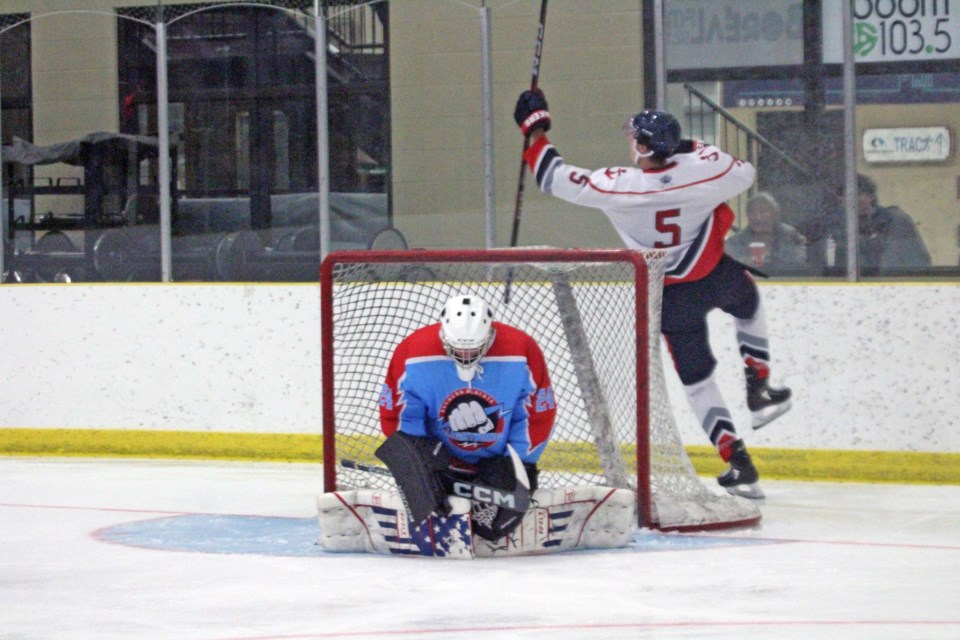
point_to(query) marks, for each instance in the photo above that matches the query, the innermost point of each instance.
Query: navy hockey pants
(728, 287)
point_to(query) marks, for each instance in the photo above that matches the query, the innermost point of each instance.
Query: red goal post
(595, 315)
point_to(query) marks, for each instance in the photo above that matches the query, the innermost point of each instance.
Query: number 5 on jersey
(668, 228)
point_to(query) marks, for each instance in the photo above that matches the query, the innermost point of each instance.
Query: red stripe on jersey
(589, 183)
(531, 155)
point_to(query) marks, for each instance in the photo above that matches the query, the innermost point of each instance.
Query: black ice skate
(741, 478)
(765, 404)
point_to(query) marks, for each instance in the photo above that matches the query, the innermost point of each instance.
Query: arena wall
(234, 371)
(592, 72)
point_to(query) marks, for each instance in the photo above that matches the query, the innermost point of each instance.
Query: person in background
(888, 237)
(767, 243)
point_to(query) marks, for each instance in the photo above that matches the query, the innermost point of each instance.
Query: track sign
(907, 144)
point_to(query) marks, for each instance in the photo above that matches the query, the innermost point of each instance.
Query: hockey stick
(518, 203)
(369, 468)
(517, 500)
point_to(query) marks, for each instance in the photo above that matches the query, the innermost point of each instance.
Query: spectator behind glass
(766, 243)
(888, 241)
(888, 237)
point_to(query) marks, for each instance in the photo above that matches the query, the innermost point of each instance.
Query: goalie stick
(518, 203)
(517, 500)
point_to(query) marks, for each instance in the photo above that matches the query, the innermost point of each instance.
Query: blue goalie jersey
(510, 399)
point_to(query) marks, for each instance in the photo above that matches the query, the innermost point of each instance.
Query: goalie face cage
(595, 315)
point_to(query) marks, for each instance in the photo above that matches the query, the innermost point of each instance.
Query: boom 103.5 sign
(895, 30)
(751, 33)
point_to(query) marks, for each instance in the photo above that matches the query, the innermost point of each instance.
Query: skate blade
(750, 491)
(767, 415)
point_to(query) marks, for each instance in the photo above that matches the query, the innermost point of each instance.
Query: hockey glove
(492, 522)
(531, 112)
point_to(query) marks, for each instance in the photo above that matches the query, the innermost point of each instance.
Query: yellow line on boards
(122, 443)
(840, 465)
(780, 464)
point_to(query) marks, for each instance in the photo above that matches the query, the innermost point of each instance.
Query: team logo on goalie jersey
(473, 419)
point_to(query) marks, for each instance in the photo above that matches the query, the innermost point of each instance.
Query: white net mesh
(582, 308)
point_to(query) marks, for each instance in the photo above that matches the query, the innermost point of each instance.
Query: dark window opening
(243, 116)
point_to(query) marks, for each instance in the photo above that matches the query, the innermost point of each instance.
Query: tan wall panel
(74, 62)
(63, 120)
(928, 191)
(74, 54)
(436, 110)
(432, 12)
(591, 73)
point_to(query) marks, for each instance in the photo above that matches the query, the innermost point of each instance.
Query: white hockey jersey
(679, 208)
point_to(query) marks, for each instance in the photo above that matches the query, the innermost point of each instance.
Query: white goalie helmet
(466, 329)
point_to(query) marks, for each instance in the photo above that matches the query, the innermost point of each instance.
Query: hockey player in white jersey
(674, 199)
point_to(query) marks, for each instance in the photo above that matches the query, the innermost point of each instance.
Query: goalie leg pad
(415, 463)
(378, 522)
(584, 517)
(448, 536)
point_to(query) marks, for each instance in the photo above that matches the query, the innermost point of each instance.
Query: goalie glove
(531, 112)
(509, 473)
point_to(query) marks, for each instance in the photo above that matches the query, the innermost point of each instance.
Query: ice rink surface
(133, 550)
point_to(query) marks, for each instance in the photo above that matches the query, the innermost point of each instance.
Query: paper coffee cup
(758, 253)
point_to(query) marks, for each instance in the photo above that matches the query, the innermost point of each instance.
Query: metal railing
(732, 135)
(708, 121)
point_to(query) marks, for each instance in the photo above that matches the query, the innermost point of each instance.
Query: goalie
(468, 408)
(467, 402)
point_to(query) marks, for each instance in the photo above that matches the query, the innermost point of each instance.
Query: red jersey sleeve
(389, 395)
(542, 406)
(420, 342)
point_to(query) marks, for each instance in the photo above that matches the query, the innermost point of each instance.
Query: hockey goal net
(595, 315)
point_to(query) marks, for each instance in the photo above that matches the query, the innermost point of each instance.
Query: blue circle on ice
(276, 536)
(203, 533)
